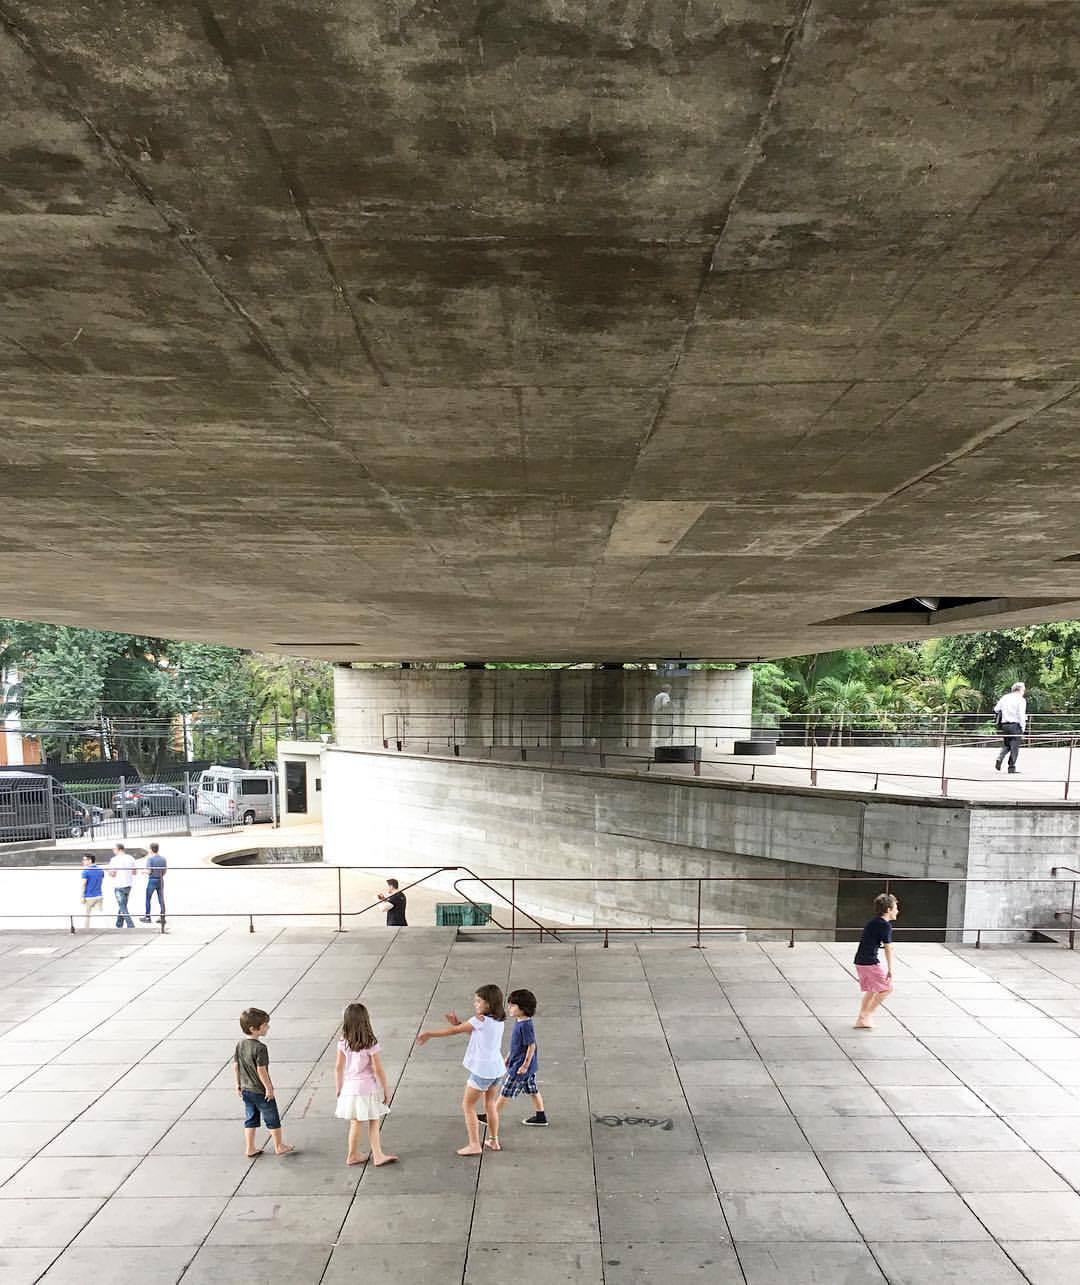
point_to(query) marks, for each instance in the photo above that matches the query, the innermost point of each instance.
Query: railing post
(52, 808)
(605, 939)
(72, 919)
(791, 940)
(1068, 770)
(513, 914)
(454, 736)
(697, 943)
(944, 751)
(813, 746)
(123, 808)
(1072, 919)
(340, 925)
(251, 923)
(187, 802)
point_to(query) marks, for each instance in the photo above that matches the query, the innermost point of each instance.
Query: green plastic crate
(461, 914)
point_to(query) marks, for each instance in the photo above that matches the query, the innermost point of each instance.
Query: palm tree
(900, 699)
(941, 697)
(845, 700)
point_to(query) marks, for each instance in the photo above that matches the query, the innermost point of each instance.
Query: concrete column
(564, 707)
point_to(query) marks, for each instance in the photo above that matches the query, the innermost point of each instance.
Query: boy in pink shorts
(875, 981)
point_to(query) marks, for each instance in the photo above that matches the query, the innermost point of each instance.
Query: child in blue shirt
(521, 1066)
(92, 878)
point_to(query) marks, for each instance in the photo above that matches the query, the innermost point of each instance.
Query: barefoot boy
(251, 1067)
(875, 982)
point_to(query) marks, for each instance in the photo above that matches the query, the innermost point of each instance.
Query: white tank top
(484, 1056)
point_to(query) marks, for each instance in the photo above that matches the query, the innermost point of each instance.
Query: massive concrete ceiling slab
(562, 330)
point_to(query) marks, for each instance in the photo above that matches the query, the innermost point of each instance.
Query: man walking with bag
(1011, 716)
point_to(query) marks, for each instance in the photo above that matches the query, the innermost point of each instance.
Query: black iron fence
(36, 807)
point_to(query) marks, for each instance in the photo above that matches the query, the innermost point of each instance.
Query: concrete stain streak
(29, 352)
(186, 238)
(220, 44)
(183, 234)
(751, 159)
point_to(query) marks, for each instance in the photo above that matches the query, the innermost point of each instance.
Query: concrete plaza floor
(714, 1115)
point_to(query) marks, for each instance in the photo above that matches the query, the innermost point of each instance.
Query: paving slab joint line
(397, 1084)
(693, 1117)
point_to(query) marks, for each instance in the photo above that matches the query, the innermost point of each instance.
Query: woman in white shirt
(483, 1058)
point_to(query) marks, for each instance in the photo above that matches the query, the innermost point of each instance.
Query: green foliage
(132, 689)
(772, 688)
(961, 675)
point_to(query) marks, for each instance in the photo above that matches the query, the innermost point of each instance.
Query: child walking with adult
(875, 980)
(251, 1071)
(363, 1096)
(483, 1058)
(521, 1066)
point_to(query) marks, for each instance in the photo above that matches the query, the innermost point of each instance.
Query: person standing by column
(122, 872)
(663, 721)
(155, 868)
(1012, 709)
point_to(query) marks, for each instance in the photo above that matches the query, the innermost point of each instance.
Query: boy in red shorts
(875, 981)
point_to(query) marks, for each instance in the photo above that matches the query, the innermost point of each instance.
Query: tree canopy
(127, 692)
(962, 674)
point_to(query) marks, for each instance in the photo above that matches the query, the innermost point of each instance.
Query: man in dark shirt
(394, 905)
(875, 982)
(155, 868)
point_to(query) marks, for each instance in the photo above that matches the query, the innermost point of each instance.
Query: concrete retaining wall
(1020, 843)
(559, 706)
(521, 820)
(524, 820)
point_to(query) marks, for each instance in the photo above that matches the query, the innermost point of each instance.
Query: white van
(231, 794)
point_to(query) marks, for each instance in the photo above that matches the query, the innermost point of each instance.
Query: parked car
(90, 814)
(27, 813)
(231, 794)
(148, 799)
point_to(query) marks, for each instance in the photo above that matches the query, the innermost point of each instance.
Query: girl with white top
(359, 1097)
(483, 1058)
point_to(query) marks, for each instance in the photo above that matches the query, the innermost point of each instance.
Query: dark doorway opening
(924, 908)
(296, 787)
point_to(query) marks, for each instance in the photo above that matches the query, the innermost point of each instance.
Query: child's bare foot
(284, 1150)
(470, 1150)
(357, 1160)
(864, 1026)
(493, 1144)
(385, 1160)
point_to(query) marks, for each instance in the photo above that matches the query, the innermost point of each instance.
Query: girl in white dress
(360, 1081)
(483, 1058)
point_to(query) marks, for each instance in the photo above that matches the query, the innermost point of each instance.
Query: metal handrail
(813, 769)
(464, 875)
